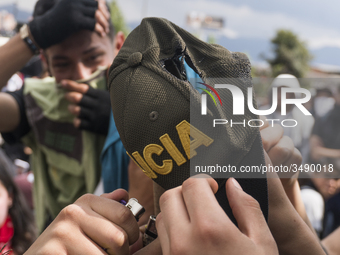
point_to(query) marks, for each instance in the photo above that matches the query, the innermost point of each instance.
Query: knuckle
(84, 88)
(165, 197)
(268, 240)
(72, 109)
(125, 216)
(190, 183)
(289, 141)
(60, 231)
(178, 248)
(67, 95)
(78, 97)
(252, 203)
(71, 97)
(87, 198)
(159, 221)
(126, 221)
(76, 122)
(284, 151)
(278, 128)
(119, 240)
(297, 157)
(206, 231)
(99, 27)
(265, 142)
(75, 108)
(71, 212)
(61, 250)
(99, 16)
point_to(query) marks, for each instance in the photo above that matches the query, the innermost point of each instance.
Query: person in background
(319, 196)
(81, 40)
(323, 102)
(314, 204)
(7, 163)
(325, 138)
(301, 133)
(17, 228)
(325, 150)
(64, 124)
(332, 208)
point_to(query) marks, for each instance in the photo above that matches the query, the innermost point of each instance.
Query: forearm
(9, 113)
(294, 195)
(291, 233)
(320, 152)
(331, 242)
(13, 56)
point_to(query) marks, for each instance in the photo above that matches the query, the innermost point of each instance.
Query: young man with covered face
(65, 122)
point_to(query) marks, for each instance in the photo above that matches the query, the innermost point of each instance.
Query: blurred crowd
(316, 138)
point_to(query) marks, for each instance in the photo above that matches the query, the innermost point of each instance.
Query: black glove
(95, 111)
(64, 19)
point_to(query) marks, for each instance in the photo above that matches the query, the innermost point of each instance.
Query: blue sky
(315, 22)
(247, 21)
(251, 24)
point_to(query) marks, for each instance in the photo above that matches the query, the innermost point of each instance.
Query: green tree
(290, 54)
(211, 39)
(117, 18)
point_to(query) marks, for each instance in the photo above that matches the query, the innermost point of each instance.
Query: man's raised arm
(13, 56)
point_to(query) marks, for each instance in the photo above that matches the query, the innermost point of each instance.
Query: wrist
(27, 37)
(32, 38)
(289, 183)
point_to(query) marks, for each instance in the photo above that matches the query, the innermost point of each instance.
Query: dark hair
(43, 6)
(21, 215)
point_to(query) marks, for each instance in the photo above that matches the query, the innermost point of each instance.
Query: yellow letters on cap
(150, 149)
(185, 130)
(142, 164)
(172, 149)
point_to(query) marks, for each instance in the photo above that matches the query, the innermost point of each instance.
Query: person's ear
(119, 40)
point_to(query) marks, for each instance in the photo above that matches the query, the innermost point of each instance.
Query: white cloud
(317, 43)
(229, 33)
(241, 21)
(27, 5)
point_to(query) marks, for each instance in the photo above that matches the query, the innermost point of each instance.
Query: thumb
(118, 195)
(246, 211)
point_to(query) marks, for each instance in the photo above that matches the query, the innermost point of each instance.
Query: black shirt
(328, 128)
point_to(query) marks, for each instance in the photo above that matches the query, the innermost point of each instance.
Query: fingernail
(63, 83)
(236, 184)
